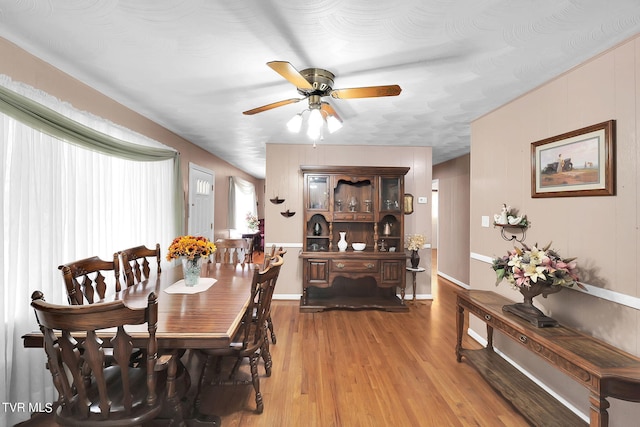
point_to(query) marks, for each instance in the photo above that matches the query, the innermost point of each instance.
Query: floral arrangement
(526, 265)
(191, 247)
(415, 242)
(252, 221)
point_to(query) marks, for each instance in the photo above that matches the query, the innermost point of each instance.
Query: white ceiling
(193, 66)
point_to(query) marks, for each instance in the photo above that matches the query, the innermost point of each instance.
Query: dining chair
(265, 263)
(231, 251)
(250, 246)
(135, 263)
(88, 280)
(268, 256)
(249, 341)
(90, 391)
(87, 283)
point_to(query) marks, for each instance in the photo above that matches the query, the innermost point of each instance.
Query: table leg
(459, 328)
(413, 274)
(172, 392)
(599, 417)
(198, 418)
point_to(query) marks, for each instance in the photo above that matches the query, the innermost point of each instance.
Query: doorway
(434, 225)
(201, 201)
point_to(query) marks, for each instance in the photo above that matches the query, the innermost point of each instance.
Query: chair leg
(270, 327)
(253, 361)
(265, 353)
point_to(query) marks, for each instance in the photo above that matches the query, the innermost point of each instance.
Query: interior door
(201, 201)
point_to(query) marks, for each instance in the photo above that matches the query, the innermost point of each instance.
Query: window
(242, 202)
(62, 202)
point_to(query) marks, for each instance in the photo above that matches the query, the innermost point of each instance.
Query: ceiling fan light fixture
(314, 84)
(333, 124)
(314, 133)
(315, 123)
(315, 118)
(295, 123)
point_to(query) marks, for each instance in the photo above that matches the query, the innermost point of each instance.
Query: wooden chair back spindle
(135, 263)
(87, 282)
(231, 251)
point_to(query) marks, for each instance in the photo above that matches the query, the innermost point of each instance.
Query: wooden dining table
(203, 320)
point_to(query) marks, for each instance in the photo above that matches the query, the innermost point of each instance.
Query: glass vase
(191, 269)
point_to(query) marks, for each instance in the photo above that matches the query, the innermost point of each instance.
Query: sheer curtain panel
(62, 202)
(242, 201)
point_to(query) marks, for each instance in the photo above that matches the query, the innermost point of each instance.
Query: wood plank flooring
(365, 368)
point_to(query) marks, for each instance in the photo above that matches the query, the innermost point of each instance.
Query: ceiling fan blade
(271, 106)
(289, 72)
(327, 108)
(366, 92)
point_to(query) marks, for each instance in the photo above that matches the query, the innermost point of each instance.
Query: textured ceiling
(193, 66)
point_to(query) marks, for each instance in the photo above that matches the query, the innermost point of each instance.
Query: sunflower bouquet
(191, 247)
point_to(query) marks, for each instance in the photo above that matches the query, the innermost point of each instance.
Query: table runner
(179, 287)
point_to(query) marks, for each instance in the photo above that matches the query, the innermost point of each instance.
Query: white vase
(342, 243)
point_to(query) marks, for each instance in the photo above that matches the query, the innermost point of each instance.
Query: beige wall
(25, 68)
(453, 218)
(285, 181)
(601, 231)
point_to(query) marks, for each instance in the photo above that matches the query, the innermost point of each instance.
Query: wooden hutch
(366, 203)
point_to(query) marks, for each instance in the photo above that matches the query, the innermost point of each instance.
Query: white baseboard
(287, 297)
(454, 280)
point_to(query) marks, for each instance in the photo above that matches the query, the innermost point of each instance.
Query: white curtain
(242, 202)
(61, 203)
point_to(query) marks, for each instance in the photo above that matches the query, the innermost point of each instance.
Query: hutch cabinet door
(317, 272)
(392, 272)
(317, 192)
(391, 194)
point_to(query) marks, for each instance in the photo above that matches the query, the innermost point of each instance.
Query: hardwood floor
(365, 368)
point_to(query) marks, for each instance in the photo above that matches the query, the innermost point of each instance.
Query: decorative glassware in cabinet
(390, 194)
(318, 192)
(353, 204)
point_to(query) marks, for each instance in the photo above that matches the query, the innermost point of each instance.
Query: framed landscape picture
(577, 163)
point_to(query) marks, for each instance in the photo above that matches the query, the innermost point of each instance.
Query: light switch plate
(422, 200)
(485, 221)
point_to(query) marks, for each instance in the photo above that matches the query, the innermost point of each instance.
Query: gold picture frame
(577, 163)
(408, 204)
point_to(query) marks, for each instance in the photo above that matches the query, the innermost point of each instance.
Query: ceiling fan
(315, 83)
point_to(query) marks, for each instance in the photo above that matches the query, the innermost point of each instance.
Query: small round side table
(413, 272)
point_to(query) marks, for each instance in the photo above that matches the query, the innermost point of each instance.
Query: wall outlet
(485, 221)
(422, 200)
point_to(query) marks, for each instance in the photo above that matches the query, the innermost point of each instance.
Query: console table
(603, 369)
